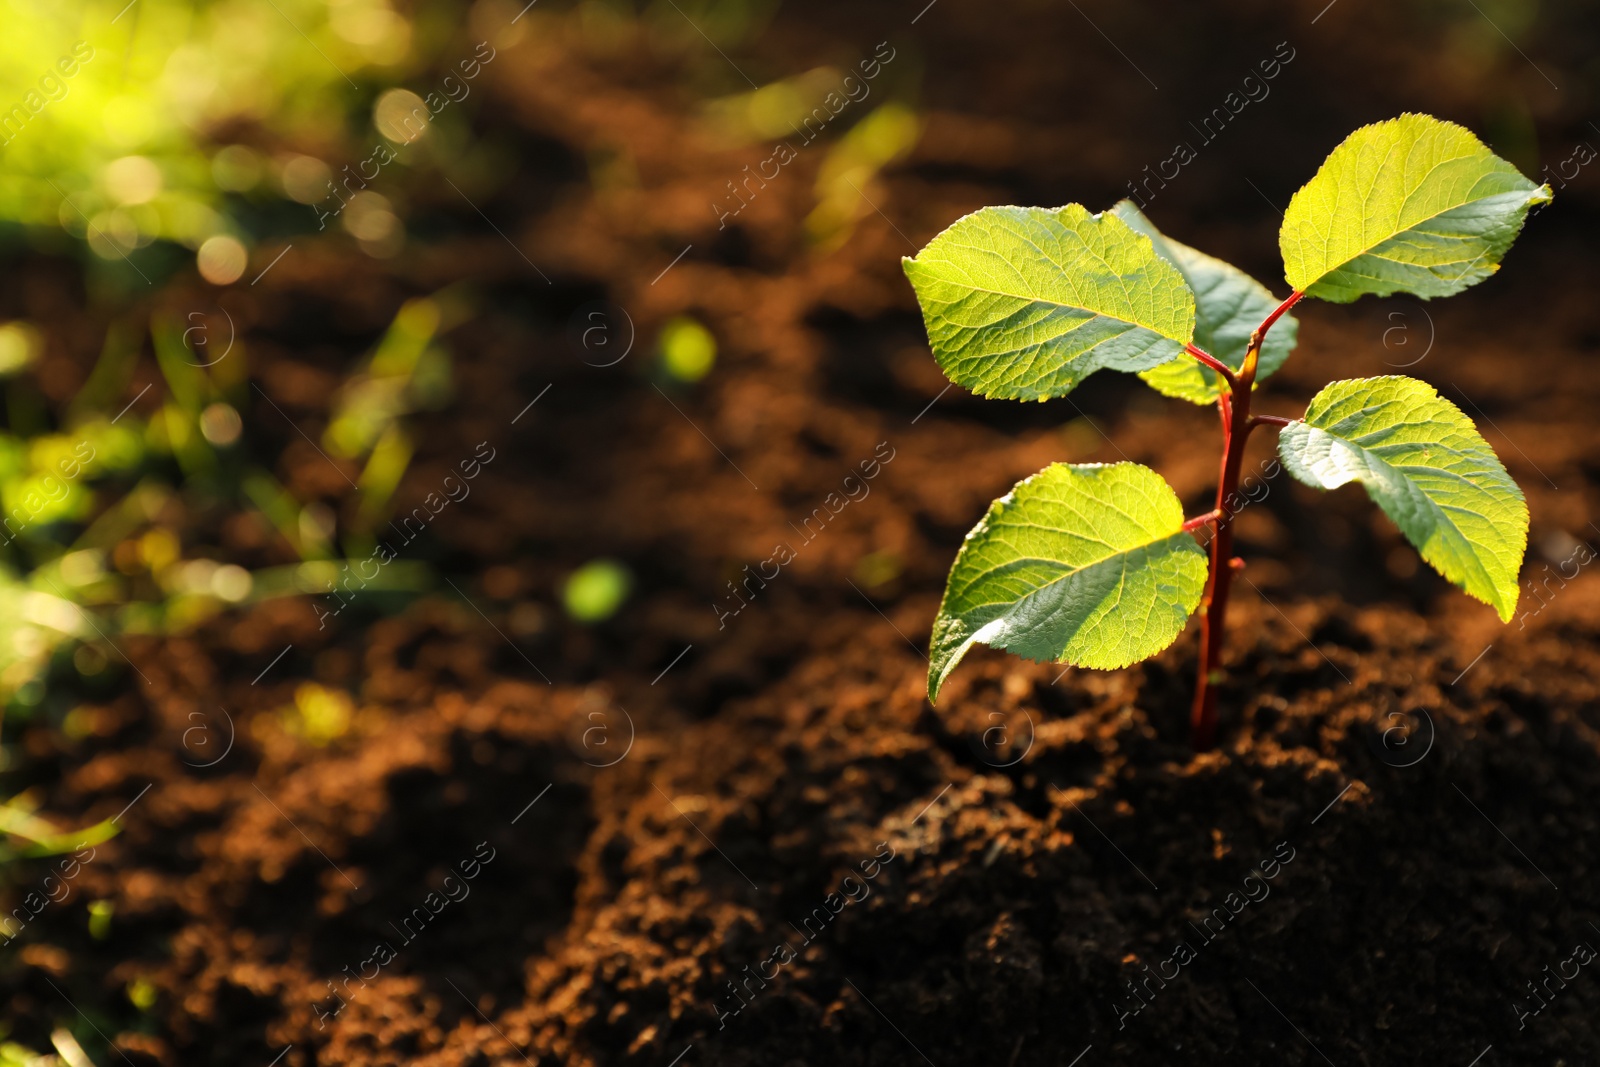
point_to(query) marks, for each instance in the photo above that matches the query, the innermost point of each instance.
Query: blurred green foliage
(42, 837)
(688, 349)
(117, 123)
(100, 912)
(319, 714)
(409, 371)
(97, 537)
(595, 591)
(847, 182)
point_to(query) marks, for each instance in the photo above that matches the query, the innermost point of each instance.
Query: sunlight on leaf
(1428, 468)
(1087, 565)
(1412, 205)
(1025, 303)
(1229, 305)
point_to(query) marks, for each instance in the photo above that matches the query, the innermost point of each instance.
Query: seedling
(1094, 564)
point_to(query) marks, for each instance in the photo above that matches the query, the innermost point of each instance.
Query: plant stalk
(1213, 362)
(1234, 406)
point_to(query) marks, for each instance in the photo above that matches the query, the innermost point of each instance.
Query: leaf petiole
(1214, 363)
(1266, 324)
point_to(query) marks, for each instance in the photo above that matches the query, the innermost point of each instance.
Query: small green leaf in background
(1229, 305)
(1084, 564)
(142, 993)
(848, 175)
(100, 912)
(43, 836)
(319, 715)
(1025, 303)
(20, 345)
(688, 350)
(1428, 468)
(387, 387)
(1412, 205)
(595, 591)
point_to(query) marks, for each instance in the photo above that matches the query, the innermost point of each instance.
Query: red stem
(1266, 323)
(1270, 420)
(1234, 407)
(1201, 520)
(1213, 362)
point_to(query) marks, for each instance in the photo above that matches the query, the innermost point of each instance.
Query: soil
(1398, 825)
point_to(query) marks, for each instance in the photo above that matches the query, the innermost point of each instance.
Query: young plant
(1095, 564)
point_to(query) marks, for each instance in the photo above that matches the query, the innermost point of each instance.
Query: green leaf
(1085, 564)
(1025, 303)
(1229, 305)
(45, 838)
(1412, 205)
(1428, 468)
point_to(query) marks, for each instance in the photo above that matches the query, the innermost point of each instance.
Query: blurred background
(399, 395)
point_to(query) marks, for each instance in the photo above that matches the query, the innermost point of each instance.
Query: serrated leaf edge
(1541, 194)
(1504, 610)
(907, 262)
(937, 677)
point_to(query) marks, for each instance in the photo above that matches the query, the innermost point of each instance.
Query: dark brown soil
(1038, 840)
